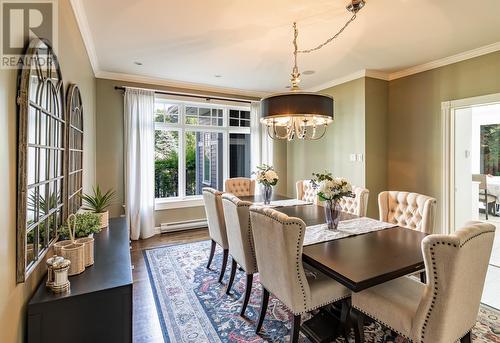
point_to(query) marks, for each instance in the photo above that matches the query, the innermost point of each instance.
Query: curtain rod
(206, 97)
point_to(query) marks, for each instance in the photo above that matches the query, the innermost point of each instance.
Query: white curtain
(139, 161)
(261, 143)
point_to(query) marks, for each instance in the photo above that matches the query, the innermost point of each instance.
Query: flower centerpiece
(268, 178)
(330, 191)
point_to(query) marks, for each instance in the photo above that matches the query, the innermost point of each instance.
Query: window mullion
(182, 153)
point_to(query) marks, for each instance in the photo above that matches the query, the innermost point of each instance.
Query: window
(198, 145)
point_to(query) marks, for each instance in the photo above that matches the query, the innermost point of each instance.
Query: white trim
(169, 204)
(448, 109)
(354, 76)
(100, 74)
(83, 25)
(487, 49)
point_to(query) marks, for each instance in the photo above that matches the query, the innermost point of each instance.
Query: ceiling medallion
(298, 114)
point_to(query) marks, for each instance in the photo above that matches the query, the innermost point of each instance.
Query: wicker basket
(75, 252)
(88, 250)
(58, 246)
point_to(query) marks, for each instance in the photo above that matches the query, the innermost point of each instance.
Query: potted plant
(268, 178)
(331, 190)
(86, 224)
(98, 203)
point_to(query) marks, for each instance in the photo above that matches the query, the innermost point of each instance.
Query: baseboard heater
(183, 225)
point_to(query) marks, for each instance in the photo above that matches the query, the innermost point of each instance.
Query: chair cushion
(324, 290)
(393, 303)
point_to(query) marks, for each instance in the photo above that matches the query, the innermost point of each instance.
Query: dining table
(359, 261)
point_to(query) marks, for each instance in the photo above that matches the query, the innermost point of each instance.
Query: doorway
(472, 174)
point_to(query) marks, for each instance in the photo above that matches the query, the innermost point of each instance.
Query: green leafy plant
(86, 223)
(98, 202)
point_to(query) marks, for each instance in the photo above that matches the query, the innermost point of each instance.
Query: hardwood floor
(146, 326)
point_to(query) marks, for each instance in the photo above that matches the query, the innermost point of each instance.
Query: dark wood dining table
(361, 261)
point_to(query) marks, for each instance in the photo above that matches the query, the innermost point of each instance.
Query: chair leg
(224, 264)
(248, 291)
(423, 277)
(344, 314)
(359, 330)
(234, 266)
(295, 329)
(486, 207)
(263, 309)
(466, 339)
(212, 252)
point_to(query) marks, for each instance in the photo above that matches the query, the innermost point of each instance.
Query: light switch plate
(359, 157)
(352, 157)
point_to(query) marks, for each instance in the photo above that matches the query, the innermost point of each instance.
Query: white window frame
(183, 200)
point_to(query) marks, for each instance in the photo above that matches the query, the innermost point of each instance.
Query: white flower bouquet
(266, 175)
(331, 188)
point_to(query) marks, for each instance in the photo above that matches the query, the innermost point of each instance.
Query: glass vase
(267, 193)
(332, 214)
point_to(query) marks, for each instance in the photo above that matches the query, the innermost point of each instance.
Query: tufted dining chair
(240, 186)
(445, 309)
(216, 226)
(278, 243)
(306, 192)
(357, 205)
(411, 210)
(240, 239)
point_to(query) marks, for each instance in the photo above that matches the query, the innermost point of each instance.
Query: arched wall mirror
(74, 151)
(42, 141)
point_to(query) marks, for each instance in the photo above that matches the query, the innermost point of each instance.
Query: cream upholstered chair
(240, 239)
(278, 243)
(445, 309)
(216, 226)
(411, 210)
(240, 186)
(306, 191)
(357, 205)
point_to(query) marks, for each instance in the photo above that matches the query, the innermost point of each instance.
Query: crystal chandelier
(298, 114)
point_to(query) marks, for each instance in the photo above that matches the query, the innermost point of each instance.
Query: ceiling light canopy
(298, 114)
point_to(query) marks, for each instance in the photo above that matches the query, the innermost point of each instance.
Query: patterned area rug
(193, 307)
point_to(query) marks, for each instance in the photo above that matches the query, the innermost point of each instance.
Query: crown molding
(354, 76)
(83, 25)
(178, 84)
(487, 49)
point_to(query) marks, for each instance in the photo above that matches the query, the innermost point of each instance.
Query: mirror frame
(32, 67)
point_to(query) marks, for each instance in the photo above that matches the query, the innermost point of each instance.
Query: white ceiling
(249, 42)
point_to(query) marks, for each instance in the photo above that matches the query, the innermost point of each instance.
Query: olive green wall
(345, 136)
(109, 161)
(75, 68)
(376, 113)
(415, 137)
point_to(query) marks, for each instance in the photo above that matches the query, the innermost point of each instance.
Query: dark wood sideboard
(99, 305)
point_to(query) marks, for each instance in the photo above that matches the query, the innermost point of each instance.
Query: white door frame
(448, 109)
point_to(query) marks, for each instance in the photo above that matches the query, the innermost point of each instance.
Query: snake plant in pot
(98, 202)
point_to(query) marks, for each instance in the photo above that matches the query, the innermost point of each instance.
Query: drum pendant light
(298, 114)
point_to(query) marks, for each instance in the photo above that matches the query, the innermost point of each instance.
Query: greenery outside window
(198, 145)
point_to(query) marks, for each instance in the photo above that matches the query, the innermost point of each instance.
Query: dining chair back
(411, 210)
(484, 196)
(306, 191)
(240, 239)
(358, 204)
(457, 266)
(240, 186)
(444, 309)
(278, 241)
(216, 225)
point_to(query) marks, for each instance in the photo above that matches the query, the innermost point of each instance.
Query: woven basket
(75, 252)
(88, 249)
(58, 246)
